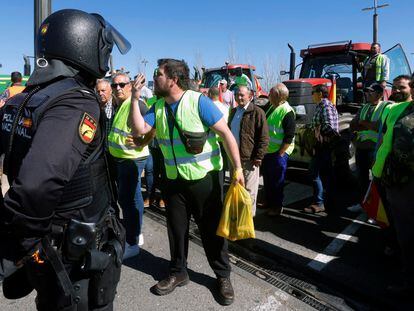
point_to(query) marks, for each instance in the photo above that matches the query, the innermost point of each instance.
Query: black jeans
(158, 169)
(364, 161)
(202, 199)
(400, 202)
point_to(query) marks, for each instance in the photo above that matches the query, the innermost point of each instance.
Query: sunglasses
(157, 72)
(121, 85)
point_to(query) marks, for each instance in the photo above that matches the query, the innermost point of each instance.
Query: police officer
(56, 223)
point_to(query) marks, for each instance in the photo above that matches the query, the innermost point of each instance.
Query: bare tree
(270, 77)
(272, 66)
(198, 61)
(142, 64)
(282, 66)
(233, 56)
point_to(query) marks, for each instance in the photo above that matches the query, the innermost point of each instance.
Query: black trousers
(402, 210)
(202, 199)
(159, 170)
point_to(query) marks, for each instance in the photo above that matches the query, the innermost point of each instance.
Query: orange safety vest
(15, 89)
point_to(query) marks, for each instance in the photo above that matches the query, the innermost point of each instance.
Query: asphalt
(329, 261)
(142, 272)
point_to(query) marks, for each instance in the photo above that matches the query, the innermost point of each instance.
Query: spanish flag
(374, 207)
(332, 93)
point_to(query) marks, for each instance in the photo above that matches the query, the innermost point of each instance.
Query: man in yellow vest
(376, 67)
(130, 161)
(16, 87)
(401, 90)
(365, 127)
(394, 166)
(281, 121)
(192, 184)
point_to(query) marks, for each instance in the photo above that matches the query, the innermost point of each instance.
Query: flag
(374, 207)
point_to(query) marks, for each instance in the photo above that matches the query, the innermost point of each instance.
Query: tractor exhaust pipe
(292, 62)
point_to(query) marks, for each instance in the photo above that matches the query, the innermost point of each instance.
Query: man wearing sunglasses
(130, 161)
(394, 167)
(365, 127)
(56, 219)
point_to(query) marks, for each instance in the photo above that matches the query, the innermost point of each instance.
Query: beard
(400, 97)
(159, 92)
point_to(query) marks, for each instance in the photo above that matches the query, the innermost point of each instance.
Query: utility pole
(42, 9)
(375, 18)
(145, 62)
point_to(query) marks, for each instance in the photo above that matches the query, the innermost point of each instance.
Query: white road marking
(341, 236)
(322, 259)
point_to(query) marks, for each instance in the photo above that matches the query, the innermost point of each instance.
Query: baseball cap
(374, 87)
(223, 81)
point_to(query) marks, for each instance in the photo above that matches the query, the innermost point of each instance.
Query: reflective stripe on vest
(176, 159)
(276, 133)
(379, 62)
(384, 150)
(375, 116)
(118, 135)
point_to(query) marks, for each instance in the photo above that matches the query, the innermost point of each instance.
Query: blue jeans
(149, 177)
(320, 170)
(274, 171)
(130, 196)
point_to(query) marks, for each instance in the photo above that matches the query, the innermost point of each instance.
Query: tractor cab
(211, 77)
(339, 64)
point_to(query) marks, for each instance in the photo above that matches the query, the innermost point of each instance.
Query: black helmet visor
(112, 35)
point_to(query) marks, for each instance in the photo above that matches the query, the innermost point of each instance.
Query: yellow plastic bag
(236, 222)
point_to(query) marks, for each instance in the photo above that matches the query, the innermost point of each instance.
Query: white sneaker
(141, 240)
(355, 208)
(130, 251)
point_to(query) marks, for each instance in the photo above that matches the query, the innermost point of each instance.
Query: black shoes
(225, 291)
(166, 286)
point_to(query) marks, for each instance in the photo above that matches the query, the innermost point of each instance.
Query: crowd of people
(181, 142)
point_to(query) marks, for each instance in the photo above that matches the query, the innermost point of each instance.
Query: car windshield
(213, 77)
(318, 67)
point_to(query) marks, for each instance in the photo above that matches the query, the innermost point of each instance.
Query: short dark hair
(401, 77)
(375, 43)
(214, 92)
(321, 88)
(175, 68)
(16, 77)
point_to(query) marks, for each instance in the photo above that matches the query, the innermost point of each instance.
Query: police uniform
(56, 220)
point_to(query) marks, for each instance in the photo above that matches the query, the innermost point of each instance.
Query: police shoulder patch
(87, 128)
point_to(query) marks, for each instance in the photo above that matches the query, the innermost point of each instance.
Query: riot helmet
(80, 39)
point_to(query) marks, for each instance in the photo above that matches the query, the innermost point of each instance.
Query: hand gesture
(137, 86)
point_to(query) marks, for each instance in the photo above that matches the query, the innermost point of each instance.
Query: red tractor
(212, 76)
(337, 63)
